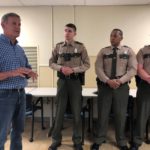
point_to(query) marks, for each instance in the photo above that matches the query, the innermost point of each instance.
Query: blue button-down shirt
(12, 56)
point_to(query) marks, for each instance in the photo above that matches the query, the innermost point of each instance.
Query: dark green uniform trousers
(143, 111)
(118, 100)
(68, 89)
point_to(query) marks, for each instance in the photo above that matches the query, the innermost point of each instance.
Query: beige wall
(49, 78)
(43, 27)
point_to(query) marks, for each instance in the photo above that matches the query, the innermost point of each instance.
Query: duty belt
(73, 76)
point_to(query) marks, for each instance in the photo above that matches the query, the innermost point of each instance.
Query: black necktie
(114, 61)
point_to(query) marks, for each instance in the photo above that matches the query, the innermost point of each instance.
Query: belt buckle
(18, 90)
(117, 77)
(76, 74)
(67, 77)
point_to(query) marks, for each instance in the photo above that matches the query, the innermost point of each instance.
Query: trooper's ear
(121, 38)
(75, 33)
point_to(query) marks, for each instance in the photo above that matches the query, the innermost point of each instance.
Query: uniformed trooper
(115, 66)
(143, 96)
(70, 60)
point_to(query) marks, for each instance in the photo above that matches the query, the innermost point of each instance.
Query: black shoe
(78, 147)
(94, 147)
(124, 148)
(134, 146)
(54, 146)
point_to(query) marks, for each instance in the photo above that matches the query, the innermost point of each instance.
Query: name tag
(108, 56)
(124, 56)
(146, 56)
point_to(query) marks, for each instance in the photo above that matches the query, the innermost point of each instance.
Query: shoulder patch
(78, 43)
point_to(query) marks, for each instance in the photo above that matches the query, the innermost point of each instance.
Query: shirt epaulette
(59, 43)
(146, 46)
(78, 43)
(108, 47)
(126, 46)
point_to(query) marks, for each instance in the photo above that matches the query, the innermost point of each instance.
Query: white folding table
(50, 92)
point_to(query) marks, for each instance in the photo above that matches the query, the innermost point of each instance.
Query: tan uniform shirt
(143, 58)
(126, 66)
(79, 63)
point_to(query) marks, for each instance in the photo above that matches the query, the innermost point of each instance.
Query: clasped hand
(67, 70)
(114, 83)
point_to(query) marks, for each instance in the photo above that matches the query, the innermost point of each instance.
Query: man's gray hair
(6, 16)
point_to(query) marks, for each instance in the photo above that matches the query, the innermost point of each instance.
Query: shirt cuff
(123, 79)
(76, 69)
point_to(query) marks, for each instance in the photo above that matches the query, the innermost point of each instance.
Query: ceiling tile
(52, 2)
(116, 2)
(10, 3)
(71, 2)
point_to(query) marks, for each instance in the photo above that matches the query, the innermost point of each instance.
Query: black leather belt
(17, 90)
(14, 90)
(117, 77)
(73, 76)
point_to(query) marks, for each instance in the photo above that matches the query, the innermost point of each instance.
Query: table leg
(52, 120)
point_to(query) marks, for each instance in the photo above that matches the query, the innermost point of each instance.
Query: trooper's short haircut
(118, 30)
(71, 25)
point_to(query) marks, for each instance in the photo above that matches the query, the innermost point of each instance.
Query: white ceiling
(71, 2)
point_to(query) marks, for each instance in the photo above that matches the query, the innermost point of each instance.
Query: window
(32, 55)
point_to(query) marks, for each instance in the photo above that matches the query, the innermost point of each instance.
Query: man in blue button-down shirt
(14, 72)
